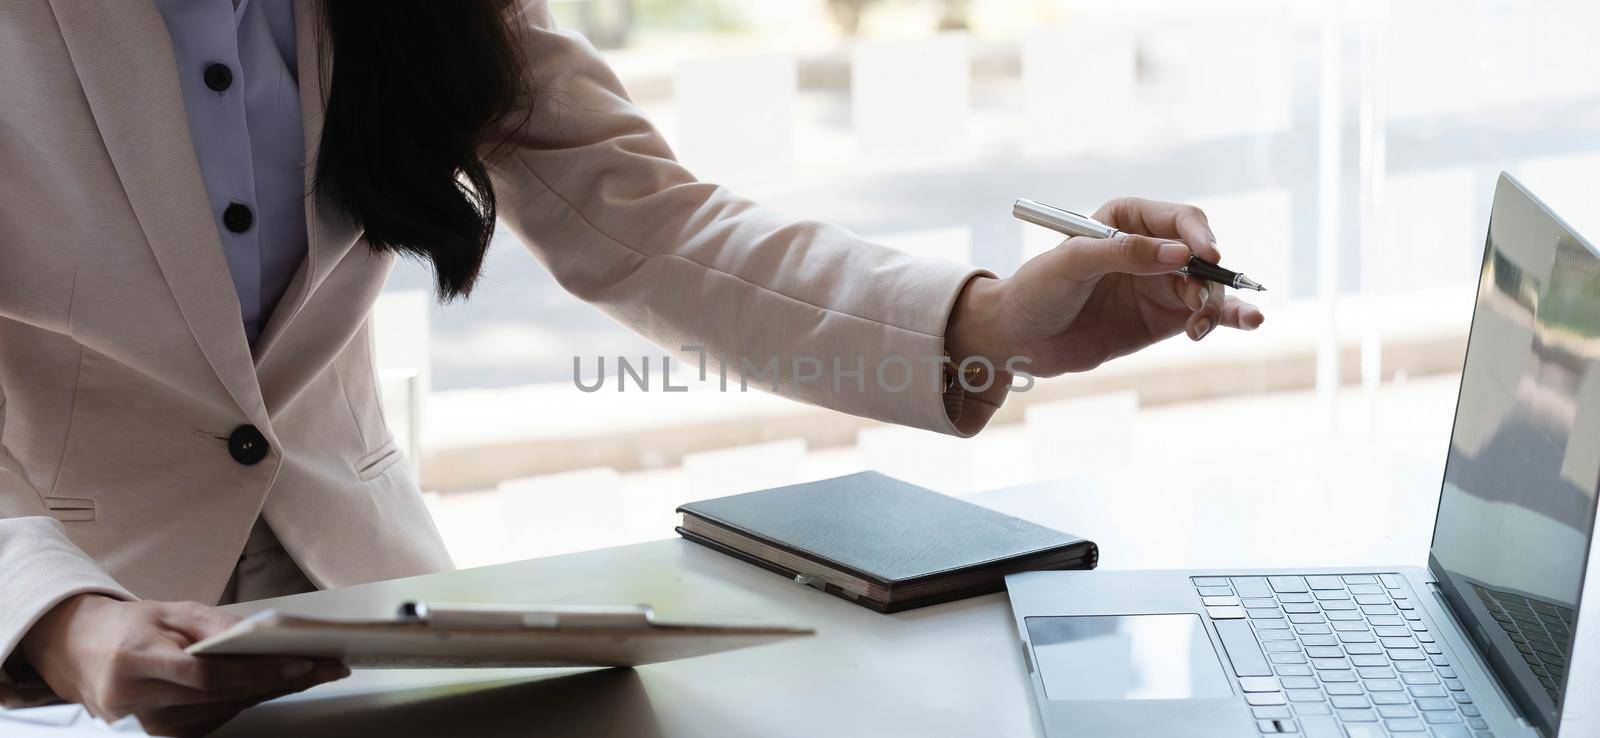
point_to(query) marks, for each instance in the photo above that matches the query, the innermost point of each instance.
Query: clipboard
(482, 636)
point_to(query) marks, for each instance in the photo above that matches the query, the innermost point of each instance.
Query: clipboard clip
(494, 617)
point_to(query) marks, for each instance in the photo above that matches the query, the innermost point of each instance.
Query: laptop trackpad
(1126, 657)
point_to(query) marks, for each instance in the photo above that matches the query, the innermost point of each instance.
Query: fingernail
(1205, 293)
(296, 669)
(1172, 253)
(1203, 328)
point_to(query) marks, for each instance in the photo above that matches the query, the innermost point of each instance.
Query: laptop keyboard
(1338, 657)
(1542, 631)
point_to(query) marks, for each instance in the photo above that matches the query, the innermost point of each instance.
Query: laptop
(1475, 644)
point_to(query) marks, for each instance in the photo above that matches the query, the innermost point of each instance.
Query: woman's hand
(1091, 300)
(126, 658)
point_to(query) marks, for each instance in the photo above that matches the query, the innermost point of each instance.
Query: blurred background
(1346, 152)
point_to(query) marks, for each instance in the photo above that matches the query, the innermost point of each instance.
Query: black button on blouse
(218, 77)
(238, 217)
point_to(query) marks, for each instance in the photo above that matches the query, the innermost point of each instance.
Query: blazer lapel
(124, 60)
(329, 236)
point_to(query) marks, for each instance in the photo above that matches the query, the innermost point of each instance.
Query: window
(1345, 151)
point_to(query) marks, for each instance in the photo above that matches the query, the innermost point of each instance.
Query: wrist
(42, 640)
(975, 329)
(975, 342)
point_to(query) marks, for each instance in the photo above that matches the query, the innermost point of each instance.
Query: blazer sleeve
(595, 193)
(39, 568)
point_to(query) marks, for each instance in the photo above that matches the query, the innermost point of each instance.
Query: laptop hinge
(1473, 638)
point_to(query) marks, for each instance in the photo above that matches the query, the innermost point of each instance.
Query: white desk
(947, 670)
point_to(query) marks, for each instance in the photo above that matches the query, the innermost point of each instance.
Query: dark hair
(416, 87)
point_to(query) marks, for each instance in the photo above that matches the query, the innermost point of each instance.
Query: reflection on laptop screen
(1518, 505)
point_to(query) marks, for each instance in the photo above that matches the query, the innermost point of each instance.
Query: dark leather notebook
(880, 542)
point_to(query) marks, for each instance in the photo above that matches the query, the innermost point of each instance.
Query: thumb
(1084, 258)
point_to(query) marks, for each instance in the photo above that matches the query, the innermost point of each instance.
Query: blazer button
(247, 445)
(238, 218)
(218, 77)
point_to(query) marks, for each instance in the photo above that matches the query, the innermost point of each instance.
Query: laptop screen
(1518, 505)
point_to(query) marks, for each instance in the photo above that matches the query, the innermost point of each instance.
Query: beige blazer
(124, 366)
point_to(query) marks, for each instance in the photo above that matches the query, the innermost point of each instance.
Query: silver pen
(1069, 223)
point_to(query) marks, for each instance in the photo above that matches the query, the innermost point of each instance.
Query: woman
(190, 412)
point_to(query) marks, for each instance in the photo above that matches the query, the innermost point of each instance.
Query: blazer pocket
(70, 509)
(373, 465)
